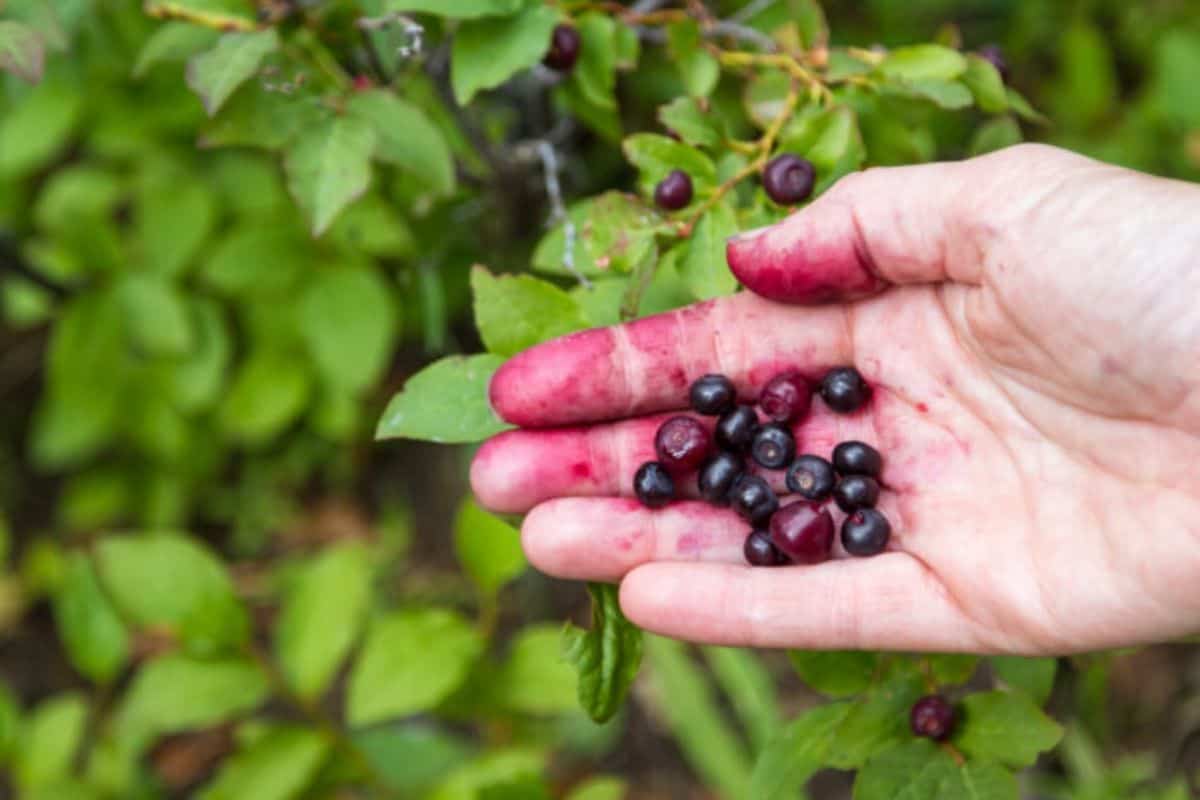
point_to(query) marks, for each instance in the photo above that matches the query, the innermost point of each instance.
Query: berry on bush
(844, 390)
(712, 395)
(674, 191)
(653, 485)
(789, 179)
(753, 499)
(773, 446)
(811, 477)
(736, 429)
(682, 444)
(564, 48)
(865, 532)
(760, 552)
(786, 397)
(857, 458)
(717, 477)
(854, 492)
(932, 716)
(803, 532)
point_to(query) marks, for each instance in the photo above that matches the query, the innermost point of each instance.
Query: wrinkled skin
(1030, 324)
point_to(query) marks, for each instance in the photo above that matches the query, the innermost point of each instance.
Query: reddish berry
(753, 499)
(717, 478)
(811, 477)
(803, 532)
(653, 485)
(857, 458)
(564, 48)
(932, 716)
(760, 552)
(735, 430)
(712, 395)
(866, 532)
(682, 444)
(789, 179)
(674, 191)
(844, 390)
(786, 397)
(854, 492)
(773, 446)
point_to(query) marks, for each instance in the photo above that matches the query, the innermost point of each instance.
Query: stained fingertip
(539, 387)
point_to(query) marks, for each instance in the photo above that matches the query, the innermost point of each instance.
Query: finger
(887, 602)
(894, 225)
(648, 365)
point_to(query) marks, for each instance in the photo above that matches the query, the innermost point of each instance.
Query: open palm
(1030, 324)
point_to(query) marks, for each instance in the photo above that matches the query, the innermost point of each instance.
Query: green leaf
(49, 739)
(535, 679)
(457, 9)
(372, 226)
(169, 581)
(216, 73)
(920, 770)
(703, 268)
(176, 693)
(1005, 727)
(81, 190)
(460, 383)
(923, 62)
(614, 232)
(697, 67)
(329, 166)
(279, 765)
(684, 116)
(410, 756)
(765, 96)
(256, 259)
(490, 769)
(601, 300)
(606, 657)
(22, 51)
(985, 83)
(795, 753)
(514, 312)
(92, 633)
(1174, 88)
(269, 392)
(411, 661)
(488, 548)
(218, 14)
(37, 127)
(405, 136)
(995, 134)
(487, 52)
(1034, 676)
(176, 214)
(655, 156)
(876, 722)
(1023, 109)
(951, 668)
(255, 117)
(829, 138)
(157, 315)
(323, 611)
(750, 689)
(946, 94)
(601, 787)
(595, 72)
(194, 382)
(173, 42)
(1086, 88)
(835, 673)
(685, 700)
(347, 319)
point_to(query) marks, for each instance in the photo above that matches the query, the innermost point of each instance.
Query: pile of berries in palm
(802, 531)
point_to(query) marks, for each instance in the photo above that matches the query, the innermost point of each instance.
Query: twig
(646, 6)
(749, 11)
(558, 211)
(437, 69)
(742, 33)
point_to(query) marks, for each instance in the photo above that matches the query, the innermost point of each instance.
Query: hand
(1030, 324)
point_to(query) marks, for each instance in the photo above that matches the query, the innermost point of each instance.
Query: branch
(436, 66)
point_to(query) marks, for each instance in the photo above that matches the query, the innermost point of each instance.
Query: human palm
(1030, 325)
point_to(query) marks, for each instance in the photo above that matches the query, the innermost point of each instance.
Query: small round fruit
(773, 446)
(803, 532)
(653, 485)
(857, 458)
(844, 390)
(760, 552)
(674, 191)
(682, 444)
(789, 179)
(811, 477)
(995, 56)
(736, 429)
(717, 477)
(866, 532)
(854, 492)
(786, 397)
(932, 716)
(753, 499)
(712, 395)
(564, 48)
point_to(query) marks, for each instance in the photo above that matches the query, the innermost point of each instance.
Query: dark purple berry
(736, 429)
(932, 716)
(856, 491)
(712, 395)
(753, 499)
(811, 477)
(674, 191)
(789, 179)
(760, 552)
(564, 48)
(865, 532)
(857, 458)
(773, 446)
(786, 397)
(844, 390)
(717, 477)
(992, 54)
(653, 485)
(803, 532)
(682, 444)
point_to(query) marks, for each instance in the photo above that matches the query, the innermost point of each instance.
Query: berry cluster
(787, 179)
(800, 532)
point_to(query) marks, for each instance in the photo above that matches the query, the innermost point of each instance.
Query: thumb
(893, 225)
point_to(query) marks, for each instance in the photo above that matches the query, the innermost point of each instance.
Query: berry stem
(954, 753)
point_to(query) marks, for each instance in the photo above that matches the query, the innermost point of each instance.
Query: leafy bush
(228, 233)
